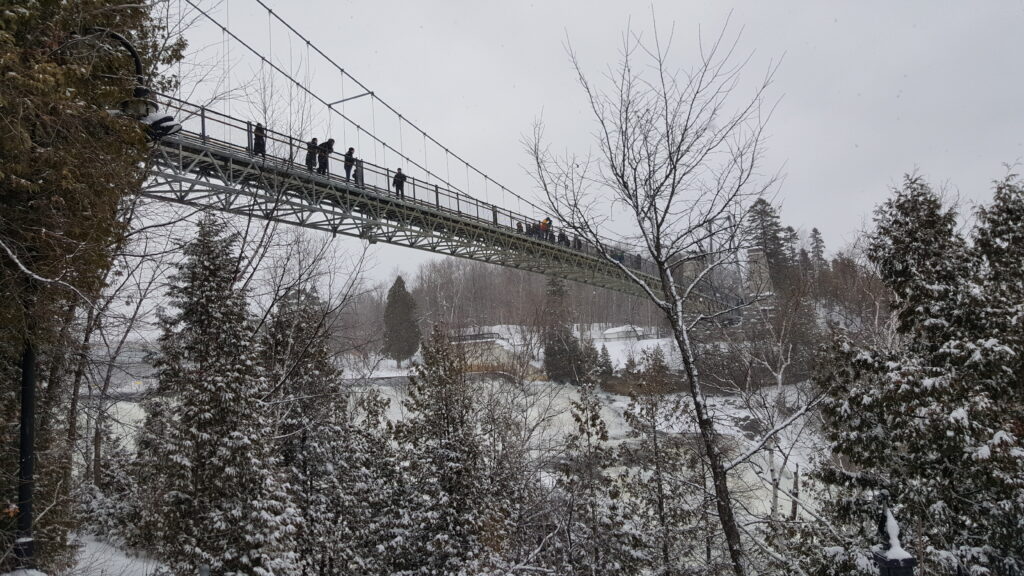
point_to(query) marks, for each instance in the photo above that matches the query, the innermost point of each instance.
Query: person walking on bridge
(259, 141)
(399, 183)
(323, 153)
(311, 148)
(350, 161)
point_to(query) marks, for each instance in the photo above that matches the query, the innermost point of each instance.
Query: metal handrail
(288, 150)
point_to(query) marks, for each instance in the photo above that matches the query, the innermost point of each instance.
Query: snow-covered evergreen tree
(205, 459)
(443, 510)
(605, 368)
(309, 412)
(597, 536)
(401, 330)
(562, 352)
(931, 417)
(662, 491)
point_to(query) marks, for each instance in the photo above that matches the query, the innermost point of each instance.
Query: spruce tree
(401, 331)
(598, 539)
(446, 502)
(932, 415)
(817, 252)
(310, 419)
(562, 353)
(605, 368)
(205, 458)
(663, 494)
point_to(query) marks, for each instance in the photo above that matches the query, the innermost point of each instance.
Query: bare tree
(678, 155)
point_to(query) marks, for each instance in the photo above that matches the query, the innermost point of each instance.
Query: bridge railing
(289, 152)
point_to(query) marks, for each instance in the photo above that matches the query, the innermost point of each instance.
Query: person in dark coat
(399, 183)
(519, 227)
(350, 161)
(311, 148)
(259, 140)
(562, 238)
(323, 153)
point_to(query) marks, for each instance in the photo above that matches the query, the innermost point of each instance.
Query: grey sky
(868, 90)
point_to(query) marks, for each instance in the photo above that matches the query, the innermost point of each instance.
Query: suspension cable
(392, 109)
(384, 145)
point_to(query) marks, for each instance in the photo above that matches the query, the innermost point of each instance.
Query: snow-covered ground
(97, 558)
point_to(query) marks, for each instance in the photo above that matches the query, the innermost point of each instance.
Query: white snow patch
(98, 558)
(959, 416)
(895, 551)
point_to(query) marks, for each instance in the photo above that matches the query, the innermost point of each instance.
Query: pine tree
(663, 497)
(401, 331)
(66, 166)
(817, 252)
(562, 353)
(446, 505)
(767, 232)
(310, 416)
(605, 368)
(598, 539)
(205, 459)
(934, 415)
(791, 245)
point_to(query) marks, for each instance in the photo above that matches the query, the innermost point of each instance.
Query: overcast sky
(867, 90)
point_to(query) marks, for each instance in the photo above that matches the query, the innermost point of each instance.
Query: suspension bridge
(212, 164)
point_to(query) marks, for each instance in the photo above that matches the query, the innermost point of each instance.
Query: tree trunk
(708, 434)
(56, 370)
(661, 493)
(796, 493)
(97, 449)
(77, 383)
(773, 473)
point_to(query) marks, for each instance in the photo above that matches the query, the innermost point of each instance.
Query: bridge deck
(200, 171)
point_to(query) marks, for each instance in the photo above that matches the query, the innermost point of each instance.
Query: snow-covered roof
(624, 330)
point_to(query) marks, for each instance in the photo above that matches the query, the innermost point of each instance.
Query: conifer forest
(748, 300)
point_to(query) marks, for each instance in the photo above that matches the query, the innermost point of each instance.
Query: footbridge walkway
(209, 165)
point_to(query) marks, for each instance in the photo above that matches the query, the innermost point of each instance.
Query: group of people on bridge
(318, 155)
(544, 230)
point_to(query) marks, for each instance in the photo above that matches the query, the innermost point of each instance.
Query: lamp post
(142, 108)
(891, 558)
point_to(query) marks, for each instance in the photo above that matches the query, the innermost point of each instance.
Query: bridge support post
(202, 123)
(437, 197)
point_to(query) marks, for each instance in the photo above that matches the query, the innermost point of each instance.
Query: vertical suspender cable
(227, 51)
(305, 97)
(344, 125)
(373, 119)
(226, 135)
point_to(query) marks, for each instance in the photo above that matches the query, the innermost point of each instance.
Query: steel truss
(207, 174)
